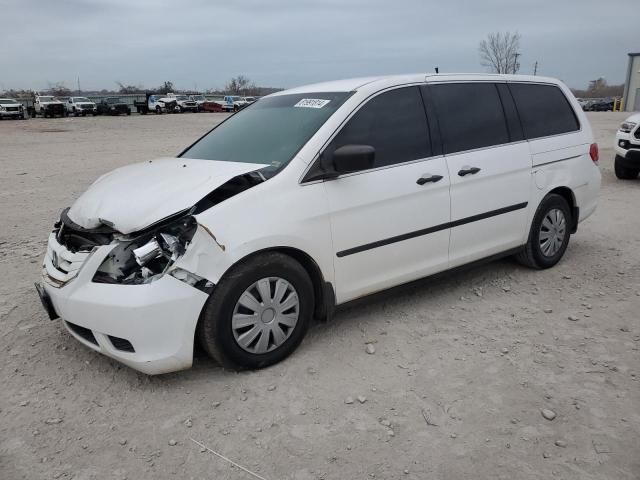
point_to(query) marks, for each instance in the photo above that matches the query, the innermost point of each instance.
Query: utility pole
(535, 68)
(79, 85)
(515, 62)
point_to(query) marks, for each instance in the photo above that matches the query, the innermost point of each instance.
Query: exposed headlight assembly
(147, 256)
(627, 127)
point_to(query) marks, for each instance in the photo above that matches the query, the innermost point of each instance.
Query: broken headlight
(147, 256)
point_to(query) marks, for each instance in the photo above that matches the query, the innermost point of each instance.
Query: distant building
(632, 84)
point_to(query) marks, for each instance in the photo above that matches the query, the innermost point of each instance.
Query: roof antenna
(437, 70)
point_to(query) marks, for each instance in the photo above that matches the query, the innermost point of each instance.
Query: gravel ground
(454, 384)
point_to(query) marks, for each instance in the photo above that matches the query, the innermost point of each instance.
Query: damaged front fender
(203, 255)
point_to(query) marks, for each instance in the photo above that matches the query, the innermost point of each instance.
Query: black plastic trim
(426, 231)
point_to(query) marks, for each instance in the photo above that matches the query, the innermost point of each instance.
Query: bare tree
(167, 87)
(240, 85)
(500, 52)
(59, 89)
(128, 89)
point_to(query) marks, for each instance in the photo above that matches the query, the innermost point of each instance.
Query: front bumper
(156, 320)
(12, 113)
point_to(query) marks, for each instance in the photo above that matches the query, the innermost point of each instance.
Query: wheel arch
(324, 294)
(569, 196)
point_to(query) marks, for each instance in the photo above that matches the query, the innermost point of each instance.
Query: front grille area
(82, 332)
(121, 344)
(60, 264)
(13, 109)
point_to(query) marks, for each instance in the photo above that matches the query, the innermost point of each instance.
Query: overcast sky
(283, 43)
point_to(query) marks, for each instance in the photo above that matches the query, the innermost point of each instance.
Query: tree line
(239, 85)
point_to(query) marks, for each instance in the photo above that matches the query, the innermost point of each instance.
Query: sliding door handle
(426, 178)
(466, 170)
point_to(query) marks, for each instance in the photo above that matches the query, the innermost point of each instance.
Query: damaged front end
(146, 256)
(135, 259)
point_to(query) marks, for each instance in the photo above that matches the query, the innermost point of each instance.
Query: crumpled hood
(133, 197)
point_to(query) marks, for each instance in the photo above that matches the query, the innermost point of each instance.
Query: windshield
(197, 97)
(182, 97)
(81, 99)
(113, 100)
(7, 100)
(270, 131)
(47, 99)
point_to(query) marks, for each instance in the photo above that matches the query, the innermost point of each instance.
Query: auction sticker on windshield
(312, 103)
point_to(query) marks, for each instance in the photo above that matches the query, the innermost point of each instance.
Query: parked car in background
(184, 103)
(113, 106)
(199, 99)
(249, 100)
(47, 106)
(10, 108)
(599, 105)
(240, 244)
(233, 103)
(157, 103)
(583, 102)
(210, 105)
(80, 106)
(627, 148)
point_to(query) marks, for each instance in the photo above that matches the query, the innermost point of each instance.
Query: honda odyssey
(310, 198)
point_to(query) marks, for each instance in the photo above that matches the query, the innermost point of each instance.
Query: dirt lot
(463, 365)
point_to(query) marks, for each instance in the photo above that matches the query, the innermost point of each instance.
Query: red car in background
(211, 106)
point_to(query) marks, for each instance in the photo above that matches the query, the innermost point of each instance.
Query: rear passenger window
(394, 123)
(470, 116)
(543, 109)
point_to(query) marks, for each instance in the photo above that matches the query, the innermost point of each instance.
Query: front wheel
(259, 312)
(549, 234)
(622, 172)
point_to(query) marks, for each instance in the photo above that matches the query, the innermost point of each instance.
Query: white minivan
(313, 197)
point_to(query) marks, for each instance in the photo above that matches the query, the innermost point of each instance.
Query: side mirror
(349, 158)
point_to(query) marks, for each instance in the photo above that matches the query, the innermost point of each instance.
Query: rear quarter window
(470, 116)
(544, 110)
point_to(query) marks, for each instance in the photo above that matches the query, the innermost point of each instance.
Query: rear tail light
(593, 153)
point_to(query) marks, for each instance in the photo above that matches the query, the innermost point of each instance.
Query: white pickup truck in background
(156, 102)
(184, 102)
(81, 106)
(47, 106)
(10, 108)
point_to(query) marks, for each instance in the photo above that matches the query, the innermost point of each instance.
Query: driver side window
(394, 123)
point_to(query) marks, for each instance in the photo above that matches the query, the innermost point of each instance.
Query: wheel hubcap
(553, 231)
(265, 315)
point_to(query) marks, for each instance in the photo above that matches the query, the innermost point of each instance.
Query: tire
(622, 172)
(158, 110)
(533, 255)
(215, 328)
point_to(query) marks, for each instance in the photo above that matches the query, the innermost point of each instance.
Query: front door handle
(426, 178)
(466, 170)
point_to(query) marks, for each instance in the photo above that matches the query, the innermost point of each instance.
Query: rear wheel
(622, 172)
(258, 313)
(158, 110)
(549, 234)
